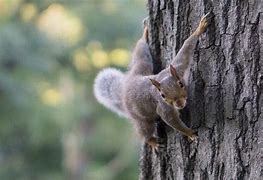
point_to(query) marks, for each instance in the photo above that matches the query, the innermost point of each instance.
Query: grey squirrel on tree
(142, 97)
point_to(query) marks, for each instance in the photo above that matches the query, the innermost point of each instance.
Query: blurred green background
(51, 126)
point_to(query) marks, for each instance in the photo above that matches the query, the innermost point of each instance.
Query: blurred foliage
(51, 127)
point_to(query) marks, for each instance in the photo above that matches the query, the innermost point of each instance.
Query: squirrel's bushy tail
(107, 89)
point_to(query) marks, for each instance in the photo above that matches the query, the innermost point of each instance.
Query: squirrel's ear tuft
(173, 71)
(156, 84)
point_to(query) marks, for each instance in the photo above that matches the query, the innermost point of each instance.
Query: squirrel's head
(172, 89)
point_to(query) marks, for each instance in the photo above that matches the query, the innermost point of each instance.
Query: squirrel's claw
(209, 15)
(157, 144)
(158, 148)
(193, 138)
(160, 142)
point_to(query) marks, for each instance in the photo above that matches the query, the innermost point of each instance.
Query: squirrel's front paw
(205, 21)
(193, 138)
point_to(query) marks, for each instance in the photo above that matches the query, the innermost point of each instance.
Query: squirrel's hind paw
(160, 147)
(156, 143)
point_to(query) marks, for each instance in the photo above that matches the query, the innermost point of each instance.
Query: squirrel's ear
(173, 71)
(156, 84)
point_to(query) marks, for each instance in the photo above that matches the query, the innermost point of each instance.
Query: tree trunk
(225, 101)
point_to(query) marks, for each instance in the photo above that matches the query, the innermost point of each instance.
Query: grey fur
(133, 95)
(107, 89)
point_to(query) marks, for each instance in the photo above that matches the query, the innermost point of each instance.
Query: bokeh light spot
(51, 97)
(58, 23)
(120, 57)
(100, 58)
(81, 61)
(28, 12)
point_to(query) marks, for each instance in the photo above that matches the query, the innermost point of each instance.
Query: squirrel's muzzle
(180, 103)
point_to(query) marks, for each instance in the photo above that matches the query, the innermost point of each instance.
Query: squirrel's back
(108, 89)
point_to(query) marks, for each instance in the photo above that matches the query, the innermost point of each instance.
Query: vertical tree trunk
(225, 101)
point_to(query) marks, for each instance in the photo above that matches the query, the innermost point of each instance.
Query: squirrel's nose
(181, 103)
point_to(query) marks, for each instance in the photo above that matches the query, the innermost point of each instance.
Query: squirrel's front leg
(184, 57)
(171, 117)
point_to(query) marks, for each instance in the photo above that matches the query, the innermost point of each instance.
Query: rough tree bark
(225, 101)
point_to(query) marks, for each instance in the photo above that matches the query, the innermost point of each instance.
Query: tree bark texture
(225, 101)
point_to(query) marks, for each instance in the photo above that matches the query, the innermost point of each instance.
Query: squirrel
(142, 97)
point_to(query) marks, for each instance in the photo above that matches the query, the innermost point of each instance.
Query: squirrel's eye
(180, 84)
(163, 96)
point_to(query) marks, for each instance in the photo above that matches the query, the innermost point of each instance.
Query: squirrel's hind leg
(145, 35)
(142, 63)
